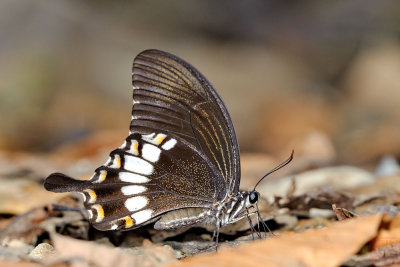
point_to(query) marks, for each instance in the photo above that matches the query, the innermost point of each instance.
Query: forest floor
(318, 216)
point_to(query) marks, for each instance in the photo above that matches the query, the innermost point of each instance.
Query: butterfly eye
(253, 197)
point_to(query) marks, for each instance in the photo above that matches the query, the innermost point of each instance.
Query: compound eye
(253, 197)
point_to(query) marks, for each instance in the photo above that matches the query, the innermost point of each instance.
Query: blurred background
(320, 77)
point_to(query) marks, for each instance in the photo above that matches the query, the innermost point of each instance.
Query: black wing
(139, 182)
(182, 151)
(172, 96)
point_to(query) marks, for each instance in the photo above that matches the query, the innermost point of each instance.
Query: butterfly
(180, 164)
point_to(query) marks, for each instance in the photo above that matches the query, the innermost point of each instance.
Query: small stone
(338, 178)
(41, 251)
(287, 221)
(388, 165)
(324, 213)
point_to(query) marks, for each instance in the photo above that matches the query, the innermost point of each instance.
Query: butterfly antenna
(283, 164)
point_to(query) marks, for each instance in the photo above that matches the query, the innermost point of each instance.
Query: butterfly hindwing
(142, 180)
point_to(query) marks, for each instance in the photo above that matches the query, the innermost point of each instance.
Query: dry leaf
(25, 227)
(342, 214)
(321, 198)
(21, 195)
(329, 246)
(21, 264)
(389, 233)
(80, 252)
(383, 256)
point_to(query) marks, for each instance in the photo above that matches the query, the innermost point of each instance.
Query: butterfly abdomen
(58, 182)
(181, 217)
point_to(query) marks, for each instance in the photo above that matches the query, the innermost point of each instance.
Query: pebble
(41, 251)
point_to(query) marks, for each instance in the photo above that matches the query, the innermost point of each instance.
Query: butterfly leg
(265, 226)
(216, 234)
(250, 223)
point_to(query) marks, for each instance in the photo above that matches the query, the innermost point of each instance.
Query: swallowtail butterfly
(180, 164)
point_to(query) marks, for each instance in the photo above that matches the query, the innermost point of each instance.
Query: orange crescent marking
(135, 147)
(117, 161)
(128, 222)
(159, 138)
(100, 212)
(102, 177)
(92, 194)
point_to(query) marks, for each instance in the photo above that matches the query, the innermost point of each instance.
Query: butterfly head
(253, 197)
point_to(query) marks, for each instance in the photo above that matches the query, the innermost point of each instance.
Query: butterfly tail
(58, 182)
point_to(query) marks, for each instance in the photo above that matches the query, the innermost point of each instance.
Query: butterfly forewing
(179, 101)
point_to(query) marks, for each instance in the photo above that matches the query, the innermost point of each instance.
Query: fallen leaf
(18, 196)
(25, 227)
(328, 246)
(383, 256)
(342, 214)
(21, 264)
(80, 252)
(321, 198)
(389, 233)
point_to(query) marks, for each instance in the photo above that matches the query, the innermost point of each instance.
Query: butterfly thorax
(234, 208)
